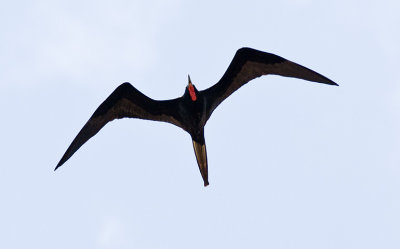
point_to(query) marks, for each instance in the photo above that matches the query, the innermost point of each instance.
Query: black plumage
(191, 111)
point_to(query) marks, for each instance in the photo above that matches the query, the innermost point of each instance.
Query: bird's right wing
(248, 64)
(125, 101)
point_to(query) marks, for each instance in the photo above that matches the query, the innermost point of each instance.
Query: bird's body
(191, 111)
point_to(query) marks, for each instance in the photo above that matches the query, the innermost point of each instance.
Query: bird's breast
(193, 115)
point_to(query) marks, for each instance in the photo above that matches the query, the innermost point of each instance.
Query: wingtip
(58, 165)
(329, 82)
(206, 184)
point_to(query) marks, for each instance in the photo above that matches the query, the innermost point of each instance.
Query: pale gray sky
(292, 164)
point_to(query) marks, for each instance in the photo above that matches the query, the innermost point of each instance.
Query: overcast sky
(292, 164)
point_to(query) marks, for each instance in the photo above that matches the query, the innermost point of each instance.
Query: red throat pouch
(192, 93)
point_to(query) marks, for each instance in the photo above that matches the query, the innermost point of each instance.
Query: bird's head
(192, 90)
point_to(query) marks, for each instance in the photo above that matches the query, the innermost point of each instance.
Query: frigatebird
(191, 111)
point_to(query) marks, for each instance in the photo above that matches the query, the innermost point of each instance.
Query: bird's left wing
(125, 101)
(248, 64)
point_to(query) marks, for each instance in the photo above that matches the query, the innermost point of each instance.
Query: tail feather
(201, 156)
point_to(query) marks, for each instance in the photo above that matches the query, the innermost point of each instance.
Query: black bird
(191, 111)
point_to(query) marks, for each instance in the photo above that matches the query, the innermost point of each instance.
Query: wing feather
(248, 64)
(125, 101)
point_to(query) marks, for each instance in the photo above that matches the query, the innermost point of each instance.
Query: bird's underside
(191, 111)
